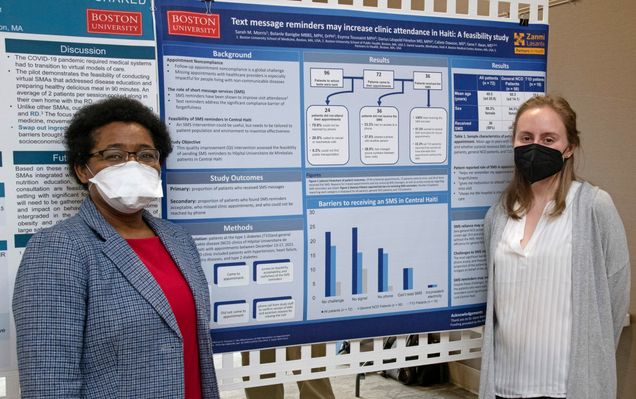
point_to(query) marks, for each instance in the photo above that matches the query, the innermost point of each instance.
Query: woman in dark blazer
(112, 302)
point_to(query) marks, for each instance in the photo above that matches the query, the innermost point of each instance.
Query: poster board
(335, 166)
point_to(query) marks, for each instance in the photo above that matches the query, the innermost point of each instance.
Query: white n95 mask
(128, 187)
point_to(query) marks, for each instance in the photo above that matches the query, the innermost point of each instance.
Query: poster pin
(208, 5)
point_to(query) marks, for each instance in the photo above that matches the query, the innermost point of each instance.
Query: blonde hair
(517, 198)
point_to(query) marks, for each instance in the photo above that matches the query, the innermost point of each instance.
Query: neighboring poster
(56, 57)
(335, 166)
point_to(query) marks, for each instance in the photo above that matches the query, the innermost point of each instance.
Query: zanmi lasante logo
(530, 43)
(520, 39)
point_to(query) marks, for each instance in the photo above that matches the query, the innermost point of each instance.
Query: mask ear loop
(569, 156)
(90, 183)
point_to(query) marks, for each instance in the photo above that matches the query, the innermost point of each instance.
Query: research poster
(56, 57)
(335, 167)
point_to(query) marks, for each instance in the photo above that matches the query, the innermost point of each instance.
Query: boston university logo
(184, 23)
(113, 22)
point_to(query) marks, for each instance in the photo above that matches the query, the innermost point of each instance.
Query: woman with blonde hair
(558, 266)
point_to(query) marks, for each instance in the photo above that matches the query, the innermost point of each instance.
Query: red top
(176, 289)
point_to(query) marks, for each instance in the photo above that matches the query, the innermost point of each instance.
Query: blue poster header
(287, 27)
(39, 157)
(79, 49)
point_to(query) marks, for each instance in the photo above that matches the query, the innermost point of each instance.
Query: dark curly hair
(79, 137)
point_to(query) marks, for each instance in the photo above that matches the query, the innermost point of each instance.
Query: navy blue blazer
(91, 320)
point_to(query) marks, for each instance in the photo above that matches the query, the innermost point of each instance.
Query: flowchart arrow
(390, 94)
(351, 78)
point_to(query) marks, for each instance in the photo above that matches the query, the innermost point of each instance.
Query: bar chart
(365, 260)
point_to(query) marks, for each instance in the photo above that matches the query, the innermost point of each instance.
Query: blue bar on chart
(407, 274)
(3, 218)
(361, 286)
(383, 270)
(330, 266)
(356, 264)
